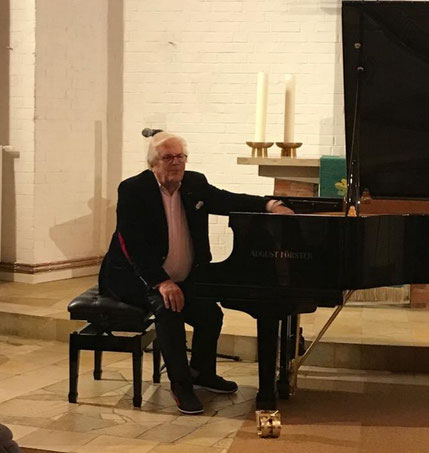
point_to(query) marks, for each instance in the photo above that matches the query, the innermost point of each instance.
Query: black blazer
(142, 223)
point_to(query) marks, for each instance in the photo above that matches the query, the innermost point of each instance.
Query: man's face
(169, 168)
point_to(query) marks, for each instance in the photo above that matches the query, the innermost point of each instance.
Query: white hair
(157, 141)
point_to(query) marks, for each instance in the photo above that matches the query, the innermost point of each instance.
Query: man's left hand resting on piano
(278, 207)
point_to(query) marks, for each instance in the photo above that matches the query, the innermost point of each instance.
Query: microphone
(147, 132)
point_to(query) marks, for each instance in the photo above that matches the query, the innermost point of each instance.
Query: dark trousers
(205, 318)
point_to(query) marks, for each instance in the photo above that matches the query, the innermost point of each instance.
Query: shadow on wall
(115, 93)
(90, 228)
(8, 231)
(100, 224)
(67, 234)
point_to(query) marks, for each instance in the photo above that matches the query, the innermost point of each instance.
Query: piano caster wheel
(268, 423)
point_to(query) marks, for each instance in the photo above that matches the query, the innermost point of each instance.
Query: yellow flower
(341, 187)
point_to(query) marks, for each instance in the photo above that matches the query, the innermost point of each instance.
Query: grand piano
(285, 265)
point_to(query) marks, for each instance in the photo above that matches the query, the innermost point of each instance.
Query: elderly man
(161, 236)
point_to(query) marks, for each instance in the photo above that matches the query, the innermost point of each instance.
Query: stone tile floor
(33, 402)
(359, 323)
(34, 376)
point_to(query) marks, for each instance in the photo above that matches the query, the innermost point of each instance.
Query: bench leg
(137, 376)
(74, 354)
(98, 355)
(156, 377)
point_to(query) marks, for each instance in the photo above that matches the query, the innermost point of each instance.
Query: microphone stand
(353, 171)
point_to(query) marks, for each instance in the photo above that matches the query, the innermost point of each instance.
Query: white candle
(289, 126)
(261, 106)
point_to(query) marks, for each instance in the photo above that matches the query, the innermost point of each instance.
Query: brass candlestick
(259, 149)
(288, 148)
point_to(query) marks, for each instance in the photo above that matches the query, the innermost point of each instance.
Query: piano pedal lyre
(294, 363)
(293, 375)
(298, 360)
(268, 423)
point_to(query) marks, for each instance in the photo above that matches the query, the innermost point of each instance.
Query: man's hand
(277, 207)
(281, 209)
(172, 295)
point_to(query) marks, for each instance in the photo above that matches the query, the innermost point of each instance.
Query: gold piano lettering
(281, 254)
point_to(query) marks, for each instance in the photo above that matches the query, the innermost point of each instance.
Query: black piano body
(326, 252)
(281, 266)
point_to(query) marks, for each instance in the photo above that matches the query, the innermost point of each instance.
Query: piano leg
(288, 347)
(268, 332)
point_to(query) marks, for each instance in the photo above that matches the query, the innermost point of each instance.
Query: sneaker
(186, 400)
(216, 384)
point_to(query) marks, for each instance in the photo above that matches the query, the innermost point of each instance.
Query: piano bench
(106, 315)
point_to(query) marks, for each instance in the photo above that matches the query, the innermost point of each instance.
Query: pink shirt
(180, 255)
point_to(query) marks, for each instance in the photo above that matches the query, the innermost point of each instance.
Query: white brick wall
(71, 91)
(18, 188)
(54, 207)
(190, 67)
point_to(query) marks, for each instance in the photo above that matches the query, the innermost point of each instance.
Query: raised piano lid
(393, 120)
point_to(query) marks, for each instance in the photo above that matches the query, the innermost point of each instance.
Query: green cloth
(332, 172)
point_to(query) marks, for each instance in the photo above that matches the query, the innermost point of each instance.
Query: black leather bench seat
(92, 307)
(105, 317)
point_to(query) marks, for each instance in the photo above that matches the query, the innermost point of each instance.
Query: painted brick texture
(54, 208)
(70, 122)
(18, 182)
(190, 67)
